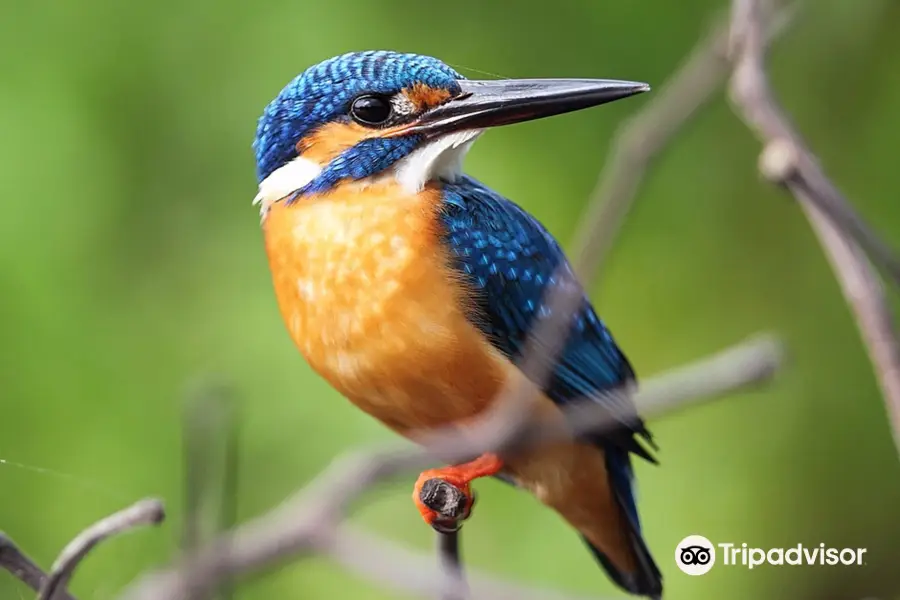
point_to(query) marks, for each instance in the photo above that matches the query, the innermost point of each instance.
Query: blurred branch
(642, 138)
(797, 167)
(309, 521)
(53, 586)
(399, 569)
(450, 567)
(787, 161)
(23, 568)
(145, 512)
(210, 460)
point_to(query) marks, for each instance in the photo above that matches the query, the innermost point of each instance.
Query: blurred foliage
(131, 261)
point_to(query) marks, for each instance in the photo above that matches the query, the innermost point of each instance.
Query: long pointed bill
(502, 102)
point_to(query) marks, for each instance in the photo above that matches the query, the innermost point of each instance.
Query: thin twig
(642, 138)
(787, 161)
(756, 104)
(23, 568)
(865, 294)
(210, 459)
(451, 570)
(144, 512)
(399, 569)
(308, 521)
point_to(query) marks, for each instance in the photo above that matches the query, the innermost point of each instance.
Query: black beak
(502, 102)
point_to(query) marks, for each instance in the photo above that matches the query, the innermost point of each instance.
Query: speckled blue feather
(323, 94)
(511, 260)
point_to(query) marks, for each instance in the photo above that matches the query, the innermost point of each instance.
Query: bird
(411, 287)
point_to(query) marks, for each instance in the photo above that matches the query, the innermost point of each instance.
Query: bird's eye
(371, 110)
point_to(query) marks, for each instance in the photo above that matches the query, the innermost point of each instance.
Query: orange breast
(364, 289)
(363, 286)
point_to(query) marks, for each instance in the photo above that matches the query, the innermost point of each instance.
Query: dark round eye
(371, 110)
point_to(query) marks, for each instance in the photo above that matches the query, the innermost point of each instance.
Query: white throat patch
(284, 180)
(440, 158)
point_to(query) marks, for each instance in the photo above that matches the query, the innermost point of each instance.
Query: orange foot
(428, 489)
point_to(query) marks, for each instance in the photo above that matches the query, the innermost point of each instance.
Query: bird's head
(372, 114)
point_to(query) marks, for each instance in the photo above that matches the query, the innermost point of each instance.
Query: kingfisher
(411, 287)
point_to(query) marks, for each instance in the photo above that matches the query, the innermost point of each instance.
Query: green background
(131, 262)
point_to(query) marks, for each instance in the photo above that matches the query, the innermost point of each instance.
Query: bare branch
(787, 161)
(863, 290)
(397, 568)
(308, 521)
(641, 139)
(210, 457)
(753, 96)
(644, 137)
(756, 104)
(145, 512)
(23, 568)
(450, 566)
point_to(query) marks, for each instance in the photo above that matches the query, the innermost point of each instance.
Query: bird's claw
(443, 503)
(444, 497)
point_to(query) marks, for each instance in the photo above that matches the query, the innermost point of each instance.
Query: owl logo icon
(695, 555)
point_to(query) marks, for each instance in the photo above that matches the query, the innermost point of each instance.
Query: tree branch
(399, 569)
(644, 136)
(308, 522)
(23, 568)
(53, 587)
(787, 161)
(145, 512)
(450, 566)
(210, 427)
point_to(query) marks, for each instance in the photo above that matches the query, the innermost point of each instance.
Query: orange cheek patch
(424, 97)
(328, 141)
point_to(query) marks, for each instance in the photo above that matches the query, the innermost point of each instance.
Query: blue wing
(510, 259)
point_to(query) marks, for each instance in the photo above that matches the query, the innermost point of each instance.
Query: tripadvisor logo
(798, 555)
(696, 555)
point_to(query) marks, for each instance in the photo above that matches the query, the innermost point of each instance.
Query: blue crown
(323, 93)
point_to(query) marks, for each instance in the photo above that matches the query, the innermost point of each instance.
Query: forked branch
(846, 239)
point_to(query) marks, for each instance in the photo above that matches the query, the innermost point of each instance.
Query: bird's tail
(645, 579)
(591, 487)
